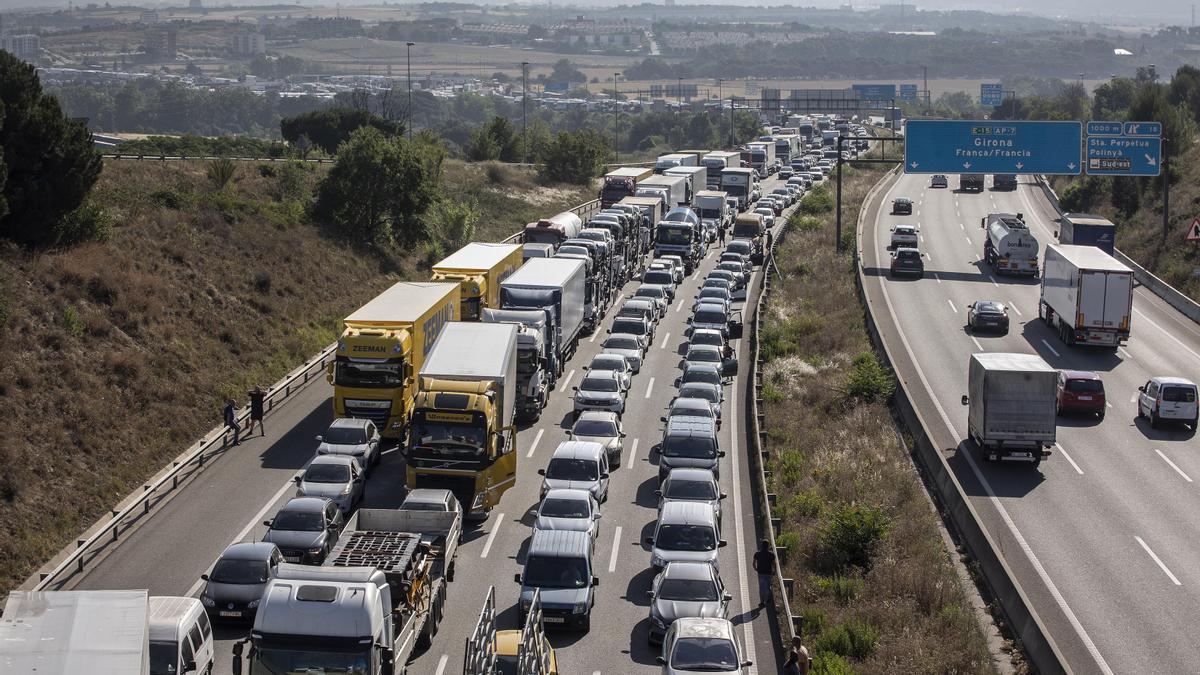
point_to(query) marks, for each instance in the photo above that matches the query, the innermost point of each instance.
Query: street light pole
(524, 115)
(408, 58)
(679, 95)
(615, 102)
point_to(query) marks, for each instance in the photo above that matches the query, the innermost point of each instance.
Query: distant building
(149, 16)
(160, 42)
(195, 4)
(24, 47)
(248, 44)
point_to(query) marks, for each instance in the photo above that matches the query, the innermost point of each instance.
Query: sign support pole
(837, 242)
(1166, 187)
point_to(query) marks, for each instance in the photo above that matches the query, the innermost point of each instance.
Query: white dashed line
(566, 381)
(649, 387)
(612, 559)
(935, 276)
(1173, 466)
(1052, 349)
(969, 242)
(951, 303)
(664, 342)
(1124, 353)
(977, 345)
(680, 305)
(441, 668)
(487, 546)
(536, 439)
(1160, 563)
(1014, 308)
(993, 280)
(633, 450)
(1064, 454)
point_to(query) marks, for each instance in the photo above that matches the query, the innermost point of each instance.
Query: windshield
(466, 438)
(239, 572)
(735, 190)
(706, 375)
(629, 326)
(1179, 394)
(574, 250)
(674, 235)
(527, 361)
(373, 373)
(690, 446)
(661, 277)
(748, 230)
(298, 521)
(705, 654)
(709, 316)
(713, 292)
(345, 436)
(606, 384)
(687, 590)
(704, 355)
(686, 538)
(699, 391)
(908, 255)
(621, 343)
(651, 292)
(556, 572)
(327, 473)
(1085, 385)
(564, 508)
(691, 409)
(565, 468)
(292, 661)
(162, 658)
(595, 428)
(609, 362)
(692, 490)
(985, 307)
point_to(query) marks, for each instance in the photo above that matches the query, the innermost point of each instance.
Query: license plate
(552, 619)
(228, 613)
(292, 558)
(1085, 398)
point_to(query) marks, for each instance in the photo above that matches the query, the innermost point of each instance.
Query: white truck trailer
(556, 286)
(716, 162)
(1087, 296)
(66, 632)
(1012, 406)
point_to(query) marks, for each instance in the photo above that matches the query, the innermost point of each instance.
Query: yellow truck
(382, 348)
(478, 269)
(462, 436)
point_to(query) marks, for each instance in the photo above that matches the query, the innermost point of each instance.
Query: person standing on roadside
(230, 414)
(764, 564)
(798, 654)
(258, 397)
(721, 233)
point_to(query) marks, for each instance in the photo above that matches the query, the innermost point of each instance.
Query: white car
(568, 509)
(338, 478)
(357, 438)
(691, 407)
(904, 236)
(598, 426)
(677, 265)
(614, 362)
(629, 346)
(701, 645)
(1168, 398)
(707, 392)
(768, 215)
(669, 265)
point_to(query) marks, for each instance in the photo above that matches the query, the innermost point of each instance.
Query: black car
(902, 206)
(939, 181)
(988, 315)
(907, 261)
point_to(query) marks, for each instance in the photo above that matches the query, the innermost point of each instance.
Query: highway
(227, 501)
(1103, 537)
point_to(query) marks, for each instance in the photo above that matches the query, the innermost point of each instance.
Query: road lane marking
(1133, 398)
(1124, 353)
(1052, 349)
(962, 227)
(951, 303)
(1014, 308)
(649, 387)
(441, 668)
(969, 242)
(664, 342)
(566, 380)
(595, 334)
(935, 276)
(1173, 466)
(1108, 404)
(1168, 334)
(976, 341)
(633, 450)
(536, 439)
(993, 280)
(1064, 454)
(680, 305)
(612, 559)
(487, 545)
(743, 585)
(1156, 559)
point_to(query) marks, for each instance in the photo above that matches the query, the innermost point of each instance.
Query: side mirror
(649, 541)
(658, 493)
(595, 581)
(747, 664)
(517, 577)
(722, 544)
(649, 594)
(723, 496)
(726, 597)
(720, 453)
(320, 439)
(358, 479)
(966, 400)
(541, 472)
(1141, 389)
(204, 577)
(598, 515)
(268, 522)
(189, 666)
(574, 388)
(662, 419)
(299, 477)
(604, 475)
(661, 661)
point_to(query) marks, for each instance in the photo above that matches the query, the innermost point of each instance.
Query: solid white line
(649, 387)
(487, 545)
(1014, 308)
(612, 559)
(1161, 566)
(1168, 334)
(739, 536)
(1052, 349)
(441, 668)
(976, 341)
(680, 305)
(1064, 454)
(566, 381)
(633, 450)
(536, 439)
(1172, 465)
(664, 342)
(951, 303)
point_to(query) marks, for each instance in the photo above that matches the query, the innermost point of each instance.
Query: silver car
(629, 346)
(692, 407)
(568, 509)
(696, 645)
(704, 354)
(712, 294)
(656, 293)
(338, 478)
(691, 485)
(707, 336)
(707, 392)
(685, 589)
(615, 362)
(603, 427)
(600, 390)
(354, 437)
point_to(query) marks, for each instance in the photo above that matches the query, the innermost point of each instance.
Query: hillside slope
(117, 355)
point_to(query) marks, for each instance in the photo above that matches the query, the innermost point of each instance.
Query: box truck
(64, 632)
(676, 188)
(665, 162)
(382, 348)
(713, 205)
(478, 268)
(738, 183)
(1087, 296)
(696, 177)
(622, 183)
(1085, 229)
(556, 287)
(716, 162)
(762, 157)
(462, 435)
(1011, 406)
(1009, 247)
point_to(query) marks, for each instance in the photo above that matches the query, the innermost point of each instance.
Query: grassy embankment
(872, 574)
(117, 355)
(1139, 234)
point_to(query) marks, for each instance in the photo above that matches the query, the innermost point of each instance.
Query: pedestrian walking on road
(258, 396)
(230, 414)
(764, 564)
(721, 234)
(792, 665)
(798, 654)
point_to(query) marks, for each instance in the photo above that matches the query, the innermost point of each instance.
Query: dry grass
(835, 456)
(216, 289)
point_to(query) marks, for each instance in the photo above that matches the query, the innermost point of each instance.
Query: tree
(565, 71)
(536, 32)
(574, 157)
(495, 140)
(50, 160)
(379, 189)
(330, 127)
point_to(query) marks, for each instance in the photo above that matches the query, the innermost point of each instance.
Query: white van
(181, 638)
(1168, 398)
(581, 465)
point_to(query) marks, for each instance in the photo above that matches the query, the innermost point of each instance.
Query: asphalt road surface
(1103, 537)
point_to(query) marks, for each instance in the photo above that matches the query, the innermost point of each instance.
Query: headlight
(580, 608)
(207, 601)
(657, 621)
(252, 604)
(525, 604)
(316, 551)
(346, 490)
(657, 561)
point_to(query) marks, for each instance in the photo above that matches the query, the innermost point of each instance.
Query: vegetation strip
(873, 583)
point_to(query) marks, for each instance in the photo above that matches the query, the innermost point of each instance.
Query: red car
(1080, 391)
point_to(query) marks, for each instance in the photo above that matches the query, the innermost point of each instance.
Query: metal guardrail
(201, 158)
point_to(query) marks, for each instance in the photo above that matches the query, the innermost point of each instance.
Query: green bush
(805, 223)
(812, 621)
(454, 221)
(842, 588)
(828, 663)
(850, 535)
(266, 170)
(574, 157)
(853, 639)
(788, 540)
(847, 241)
(779, 339)
(293, 178)
(71, 322)
(221, 173)
(868, 380)
(89, 222)
(771, 394)
(807, 504)
(816, 202)
(789, 467)
(329, 128)
(168, 199)
(1085, 193)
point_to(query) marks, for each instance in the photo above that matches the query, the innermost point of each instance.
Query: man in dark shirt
(257, 396)
(230, 415)
(764, 564)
